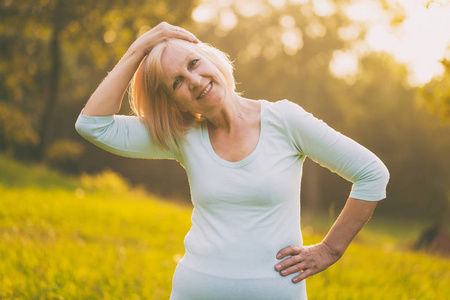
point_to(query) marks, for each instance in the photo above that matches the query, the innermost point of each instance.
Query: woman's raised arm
(107, 98)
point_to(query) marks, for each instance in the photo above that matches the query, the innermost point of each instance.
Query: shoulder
(284, 110)
(296, 122)
(192, 135)
(283, 105)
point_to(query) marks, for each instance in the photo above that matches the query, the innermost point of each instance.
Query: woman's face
(191, 80)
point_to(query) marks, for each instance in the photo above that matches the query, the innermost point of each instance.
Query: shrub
(64, 154)
(15, 129)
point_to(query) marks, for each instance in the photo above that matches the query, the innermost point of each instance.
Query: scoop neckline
(245, 161)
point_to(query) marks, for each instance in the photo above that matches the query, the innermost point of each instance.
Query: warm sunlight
(420, 41)
(225, 149)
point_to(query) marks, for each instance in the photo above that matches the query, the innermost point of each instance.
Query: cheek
(219, 78)
(208, 67)
(182, 98)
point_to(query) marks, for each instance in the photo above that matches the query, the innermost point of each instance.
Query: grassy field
(96, 238)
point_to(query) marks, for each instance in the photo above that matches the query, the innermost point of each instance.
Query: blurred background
(77, 222)
(377, 71)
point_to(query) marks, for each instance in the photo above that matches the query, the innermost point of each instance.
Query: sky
(419, 42)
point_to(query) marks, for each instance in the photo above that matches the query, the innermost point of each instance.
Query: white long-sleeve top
(246, 211)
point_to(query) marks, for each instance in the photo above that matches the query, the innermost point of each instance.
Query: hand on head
(159, 33)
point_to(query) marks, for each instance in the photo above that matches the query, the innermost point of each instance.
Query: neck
(233, 110)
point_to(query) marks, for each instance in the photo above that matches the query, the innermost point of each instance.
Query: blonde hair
(150, 99)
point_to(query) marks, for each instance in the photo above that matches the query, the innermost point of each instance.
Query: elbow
(79, 127)
(83, 129)
(384, 173)
(381, 177)
(95, 128)
(379, 173)
(372, 182)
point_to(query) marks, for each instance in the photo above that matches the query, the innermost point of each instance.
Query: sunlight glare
(228, 19)
(298, 1)
(203, 13)
(364, 11)
(250, 8)
(287, 21)
(419, 42)
(277, 3)
(323, 8)
(293, 40)
(307, 11)
(315, 30)
(349, 33)
(224, 3)
(344, 64)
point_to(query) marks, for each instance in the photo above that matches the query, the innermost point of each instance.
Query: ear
(182, 109)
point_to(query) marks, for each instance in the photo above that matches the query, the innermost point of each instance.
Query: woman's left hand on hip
(308, 260)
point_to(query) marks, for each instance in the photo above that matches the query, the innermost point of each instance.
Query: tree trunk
(53, 84)
(311, 192)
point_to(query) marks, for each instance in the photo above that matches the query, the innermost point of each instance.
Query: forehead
(174, 59)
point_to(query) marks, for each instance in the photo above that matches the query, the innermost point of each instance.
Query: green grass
(101, 246)
(96, 238)
(15, 174)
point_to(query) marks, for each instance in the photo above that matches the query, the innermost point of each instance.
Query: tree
(436, 94)
(383, 115)
(59, 42)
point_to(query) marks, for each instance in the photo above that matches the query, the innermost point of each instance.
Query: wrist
(335, 250)
(136, 50)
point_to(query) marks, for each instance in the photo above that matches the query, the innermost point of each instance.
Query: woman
(243, 159)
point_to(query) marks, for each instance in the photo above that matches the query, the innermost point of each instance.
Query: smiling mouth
(205, 91)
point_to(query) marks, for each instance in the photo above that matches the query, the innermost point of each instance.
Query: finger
(183, 34)
(303, 275)
(294, 269)
(290, 250)
(291, 261)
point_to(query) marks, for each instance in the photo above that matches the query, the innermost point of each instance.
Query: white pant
(189, 284)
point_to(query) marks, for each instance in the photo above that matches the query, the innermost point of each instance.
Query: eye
(176, 83)
(192, 63)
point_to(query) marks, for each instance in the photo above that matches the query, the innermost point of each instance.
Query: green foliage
(64, 154)
(65, 149)
(55, 52)
(20, 175)
(436, 94)
(106, 181)
(382, 114)
(93, 35)
(15, 129)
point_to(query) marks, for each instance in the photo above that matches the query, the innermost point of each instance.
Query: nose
(194, 80)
